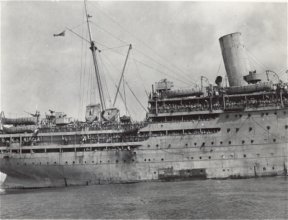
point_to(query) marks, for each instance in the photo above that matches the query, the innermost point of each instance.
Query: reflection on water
(249, 198)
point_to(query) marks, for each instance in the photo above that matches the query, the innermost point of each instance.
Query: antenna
(93, 49)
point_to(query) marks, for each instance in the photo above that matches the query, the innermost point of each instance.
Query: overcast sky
(173, 40)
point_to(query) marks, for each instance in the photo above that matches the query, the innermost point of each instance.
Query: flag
(62, 34)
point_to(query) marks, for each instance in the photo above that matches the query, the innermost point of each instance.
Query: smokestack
(235, 59)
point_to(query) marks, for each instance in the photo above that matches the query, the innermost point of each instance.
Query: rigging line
(256, 62)
(249, 53)
(121, 96)
(78, 25)
(177, 79)
(105, 82)
(117, 38)
(81, 67)
(138, 38)
(135, 96)
(219, 67)
(137, 71)
(162, 64)
(78, 35)
(112, 48)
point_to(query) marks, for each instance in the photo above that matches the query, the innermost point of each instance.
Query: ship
(208, 132)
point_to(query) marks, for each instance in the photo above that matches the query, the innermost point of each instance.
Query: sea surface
(214, 199)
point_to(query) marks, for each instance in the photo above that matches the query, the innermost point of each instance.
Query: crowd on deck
(228, 103)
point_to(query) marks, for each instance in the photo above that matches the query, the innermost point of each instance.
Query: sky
(173, 40)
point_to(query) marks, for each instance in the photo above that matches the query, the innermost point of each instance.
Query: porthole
(227, 116)
(228, 130)
(209, 157)
(186, 144)
(133, 160)
(144, 159)
(237, 129)
(195, 143)
(117, 161)
(85, 161)
(274, 140)
(47, 163)
(240, 116)
(148, 145)
(229, 142)
(286, 126)
(267, 113)
(244, 155)
(157, 145)
(162, 159)
(223, 170)
(273, 168)
(66, 162)
(243, 142)
(55, 163)
(107, 161)
(235, 116)
(200, 158)
(192, 158)
(124, 161)
(203, 144)
(154, 172)
(252, 141)
(249, 115)
(275, 113)
(221, 142)
(73, 162)
(100, 161)
(268, 127)
(134, 153)
(284, 112)
(250, 129)
(149, 159)
(212, 143)
(40, 163)
(92, 161)
(264, 168)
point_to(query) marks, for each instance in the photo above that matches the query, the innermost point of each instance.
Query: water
(247, 198)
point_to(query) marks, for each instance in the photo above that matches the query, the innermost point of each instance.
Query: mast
(93, 49)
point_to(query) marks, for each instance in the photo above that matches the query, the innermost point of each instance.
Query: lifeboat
(20, 129)
(19, 121)
(260, 87)
(182, 93)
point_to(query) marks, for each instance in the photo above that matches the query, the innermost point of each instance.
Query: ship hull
(144, 164)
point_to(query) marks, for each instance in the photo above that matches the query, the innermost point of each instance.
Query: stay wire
(145, 44)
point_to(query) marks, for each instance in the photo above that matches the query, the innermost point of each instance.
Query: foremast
(93, 49)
